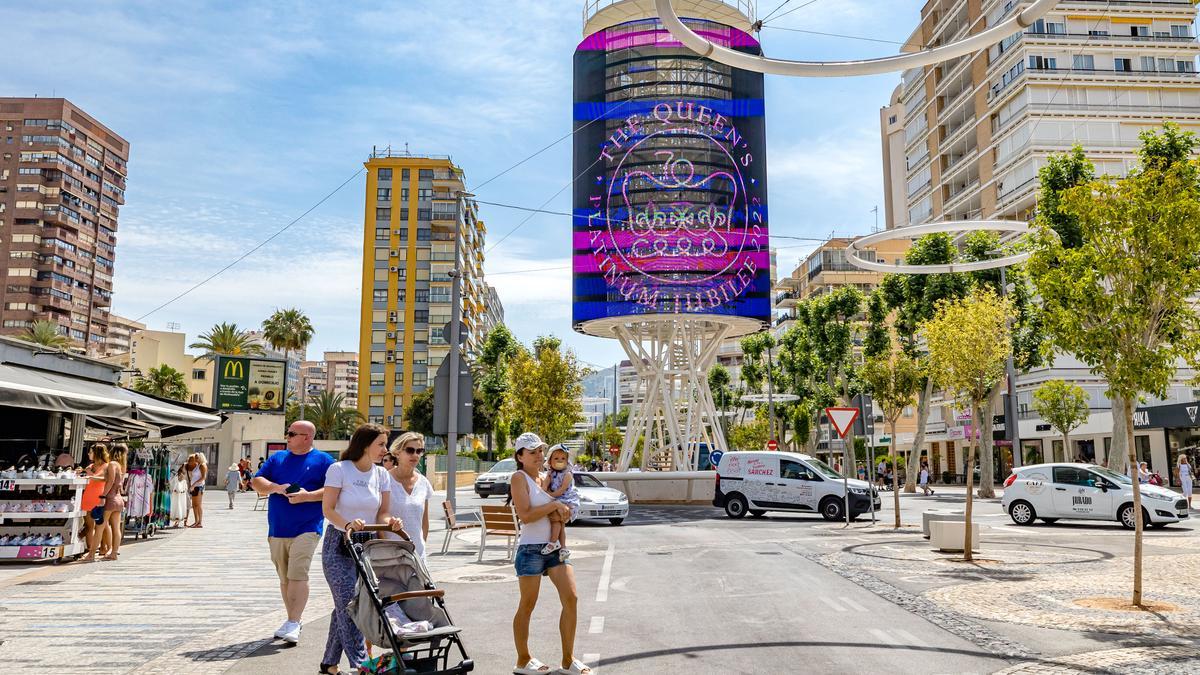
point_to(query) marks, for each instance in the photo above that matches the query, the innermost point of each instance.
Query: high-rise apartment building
(62, 183)
(418, 218)
(977, 129)
(336, 374)
(120, 334)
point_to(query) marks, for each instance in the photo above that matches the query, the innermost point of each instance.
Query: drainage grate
(41, 582)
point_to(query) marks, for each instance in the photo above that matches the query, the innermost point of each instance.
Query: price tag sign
(7, 485)
(50, 551)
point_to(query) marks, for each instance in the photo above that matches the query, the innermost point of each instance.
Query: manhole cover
(482, 577)
(41, 582)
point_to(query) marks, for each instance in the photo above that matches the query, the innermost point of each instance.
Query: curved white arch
(761, 64)
(1015, 228)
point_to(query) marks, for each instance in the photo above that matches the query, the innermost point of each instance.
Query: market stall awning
(43, 390)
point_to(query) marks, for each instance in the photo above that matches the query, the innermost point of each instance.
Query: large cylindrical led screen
(670, 191)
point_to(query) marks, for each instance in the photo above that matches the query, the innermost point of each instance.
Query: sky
(243, 115)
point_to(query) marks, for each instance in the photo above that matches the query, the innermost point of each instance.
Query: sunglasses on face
(290, 434)
(415, 451)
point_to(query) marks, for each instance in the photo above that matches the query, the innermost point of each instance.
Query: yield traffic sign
(842, 419)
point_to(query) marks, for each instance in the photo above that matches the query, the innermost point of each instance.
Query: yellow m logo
(234, 369)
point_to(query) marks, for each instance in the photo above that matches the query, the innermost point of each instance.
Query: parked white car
(596, 500)
(495, 480)
(757, 482)
(1050, 492)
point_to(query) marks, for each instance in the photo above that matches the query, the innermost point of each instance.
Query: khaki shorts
(293, 555)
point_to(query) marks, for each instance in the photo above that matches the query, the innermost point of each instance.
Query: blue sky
(241, 115)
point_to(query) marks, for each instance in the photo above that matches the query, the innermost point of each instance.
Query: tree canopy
(227, 339)
(46, 334)
(163, 381)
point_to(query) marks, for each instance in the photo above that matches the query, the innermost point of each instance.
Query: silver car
(599, 501)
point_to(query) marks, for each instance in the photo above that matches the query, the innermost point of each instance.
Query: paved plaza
(674, 589)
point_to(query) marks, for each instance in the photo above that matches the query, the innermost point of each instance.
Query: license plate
(484, 485)
(609, 513)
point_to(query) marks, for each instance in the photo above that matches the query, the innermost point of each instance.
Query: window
(197, 398)
(376, 379)
(382, 233)
(795, 471)
(403, 194)
(421, 316)
(404, 174)
(383, 214)
(1073, 475)
(420, 379)
(1178, 31)
(1043, 62)
(1185, 66)
(380, 295)
(421, 295)
(199, 374)
(385, 174)
(383, 194)
(1139, 31)
(1123, 65)
(1083, 62)
(425, 174)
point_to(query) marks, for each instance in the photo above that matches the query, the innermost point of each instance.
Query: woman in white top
(1183, 471)
(411, 491)
(197, 477)
(533, 505)
(356, 493)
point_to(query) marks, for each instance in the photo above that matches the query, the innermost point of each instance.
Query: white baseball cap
(529, 441)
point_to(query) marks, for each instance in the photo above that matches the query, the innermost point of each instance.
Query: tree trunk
(967, 543)
(910, 471)
(1122, 438)
(987, 471)
(1137, 505)
(1066, 447)
(895, 473)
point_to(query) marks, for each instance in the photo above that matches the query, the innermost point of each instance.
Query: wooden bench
(452, 525)
(500, 521)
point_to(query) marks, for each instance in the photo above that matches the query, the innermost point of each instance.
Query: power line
(795, 9)
(261, 244)
(772, 12)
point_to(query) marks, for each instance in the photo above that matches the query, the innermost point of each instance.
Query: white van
(757, 482)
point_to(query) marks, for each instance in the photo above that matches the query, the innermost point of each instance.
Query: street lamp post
(453, 356)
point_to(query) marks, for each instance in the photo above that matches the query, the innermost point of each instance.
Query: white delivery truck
(757, 482)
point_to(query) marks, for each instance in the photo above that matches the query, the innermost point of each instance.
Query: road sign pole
(453, 356)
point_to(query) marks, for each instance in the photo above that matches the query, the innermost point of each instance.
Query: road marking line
(605, 574)
(833, 605)
(597, 625)
(852, 604)
(883, 636)
(909, 638)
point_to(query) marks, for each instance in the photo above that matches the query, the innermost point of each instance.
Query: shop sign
(1173, 416)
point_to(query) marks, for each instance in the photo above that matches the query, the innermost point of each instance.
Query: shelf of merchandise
(68, 525)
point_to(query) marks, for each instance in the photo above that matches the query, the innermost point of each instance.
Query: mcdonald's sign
(249, 384)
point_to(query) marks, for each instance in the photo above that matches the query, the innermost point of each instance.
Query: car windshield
(823, 468)
(1118, 478)
(584, 480)
(504, 465)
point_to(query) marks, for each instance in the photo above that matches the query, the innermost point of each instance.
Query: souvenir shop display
(41, 514)
(147, 491)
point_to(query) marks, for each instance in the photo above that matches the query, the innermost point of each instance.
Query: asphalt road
(685, 589)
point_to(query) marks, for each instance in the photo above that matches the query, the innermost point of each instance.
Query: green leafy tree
(752, 435)
(1061, 173)
(498, 351)
(163, 381)
(894, 379)
(718, 383)
(46, 334)
(289, 330)
(545, 389)
(418, 414)
(331, 417)
(1064, 406)
(969, 341)
(1122, 301)
(226, 339)
(820, 358)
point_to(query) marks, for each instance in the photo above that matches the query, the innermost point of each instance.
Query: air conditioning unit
(391, 335)
(395, 253)
(390, 358)
(393, 268)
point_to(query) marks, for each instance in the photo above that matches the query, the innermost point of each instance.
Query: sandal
(577, 668)
(532, 667)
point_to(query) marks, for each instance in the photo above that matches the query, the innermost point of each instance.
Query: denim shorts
(530, 562)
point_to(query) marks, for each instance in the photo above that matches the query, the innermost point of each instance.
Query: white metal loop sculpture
(760, 64)
(1012, 229)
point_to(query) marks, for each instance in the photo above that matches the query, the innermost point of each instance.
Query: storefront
(1170, 430)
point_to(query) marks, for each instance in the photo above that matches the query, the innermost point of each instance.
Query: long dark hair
(362, 439)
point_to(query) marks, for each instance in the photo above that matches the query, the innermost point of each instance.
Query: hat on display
(529, 441)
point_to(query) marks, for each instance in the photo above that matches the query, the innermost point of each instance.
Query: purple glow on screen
(660, 37)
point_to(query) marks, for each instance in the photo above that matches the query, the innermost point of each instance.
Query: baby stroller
(394, 588)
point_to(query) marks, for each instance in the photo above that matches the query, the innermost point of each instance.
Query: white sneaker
(292, 634)
(282, 630)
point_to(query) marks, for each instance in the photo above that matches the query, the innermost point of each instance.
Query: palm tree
(163, 381)
(332, 418)
(226, 338)
(288, 330)
(46, 333)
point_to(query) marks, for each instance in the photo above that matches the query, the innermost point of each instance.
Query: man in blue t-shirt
(295, 482)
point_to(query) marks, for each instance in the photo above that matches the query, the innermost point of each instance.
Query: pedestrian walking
(294, 482)
(411, 491)
(1183, 471)
(233, 482)
(533, 506)
(357, 492)
(114, 501)
(880, 470)
(197, 475)
(924, 480)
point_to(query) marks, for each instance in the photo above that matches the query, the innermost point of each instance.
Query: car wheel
(1049, 521)
(616, 521)
(1127, 518)
(1022, 513)
(831, 509)
(736, 506)
(757, 513)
